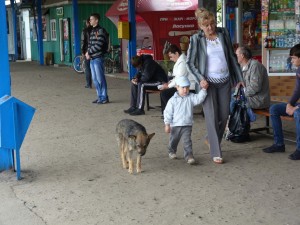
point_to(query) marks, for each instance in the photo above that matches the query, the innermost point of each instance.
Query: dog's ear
(150, 136)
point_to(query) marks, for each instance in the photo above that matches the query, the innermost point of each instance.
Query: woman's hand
(240, 84)
(204, 84)
(164, 86)
(167, 128)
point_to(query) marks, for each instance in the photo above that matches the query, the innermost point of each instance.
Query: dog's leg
(139, 164)
(129, 155)
(123, 153)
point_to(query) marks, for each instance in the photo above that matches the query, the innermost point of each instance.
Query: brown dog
(132, 136)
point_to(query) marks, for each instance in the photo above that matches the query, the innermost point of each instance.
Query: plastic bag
(239, 122)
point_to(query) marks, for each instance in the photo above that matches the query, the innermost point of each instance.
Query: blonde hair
(203, 15)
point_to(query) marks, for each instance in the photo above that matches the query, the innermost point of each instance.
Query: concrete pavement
(72, 171)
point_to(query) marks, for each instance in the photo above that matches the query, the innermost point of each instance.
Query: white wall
(10, 35)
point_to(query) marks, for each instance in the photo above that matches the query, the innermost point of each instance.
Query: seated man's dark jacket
(151, 71)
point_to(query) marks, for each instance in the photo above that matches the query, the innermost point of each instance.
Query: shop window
(53, 30)
(34, 27)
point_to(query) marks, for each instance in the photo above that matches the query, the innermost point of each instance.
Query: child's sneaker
(172, 156)
(191, 161)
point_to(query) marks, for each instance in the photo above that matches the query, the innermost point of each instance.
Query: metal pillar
(40, 32)
(4, 73)
(132, 40)
(76, 28)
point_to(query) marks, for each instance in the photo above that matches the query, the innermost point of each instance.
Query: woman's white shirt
(179, 70)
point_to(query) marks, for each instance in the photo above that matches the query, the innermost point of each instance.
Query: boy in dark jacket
(85, 42)
(150, 75)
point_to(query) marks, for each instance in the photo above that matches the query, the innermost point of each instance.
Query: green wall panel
(84, 11)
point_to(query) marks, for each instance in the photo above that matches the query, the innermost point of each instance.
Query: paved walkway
(72, 172)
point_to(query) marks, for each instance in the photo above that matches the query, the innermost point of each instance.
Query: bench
(281, 87)
(148, 107)
(266, 114)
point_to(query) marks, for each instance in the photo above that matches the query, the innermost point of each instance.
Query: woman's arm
(192, 57)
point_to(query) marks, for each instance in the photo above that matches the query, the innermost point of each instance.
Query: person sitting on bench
(287, 109)
(150, 75)
(255, 78)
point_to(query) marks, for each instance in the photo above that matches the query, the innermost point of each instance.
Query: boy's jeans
(276, 111)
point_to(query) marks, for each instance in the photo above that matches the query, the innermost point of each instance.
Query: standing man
(97, 47)
(85, 42)
(287, 109)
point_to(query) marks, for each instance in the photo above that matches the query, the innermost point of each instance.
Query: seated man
(256, 80)
(150, 75)
(287, 109)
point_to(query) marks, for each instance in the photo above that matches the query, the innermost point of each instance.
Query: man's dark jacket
(151, 71)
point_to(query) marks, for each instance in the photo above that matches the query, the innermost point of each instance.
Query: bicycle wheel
(83, 65)
(108, 65)
(77, 64)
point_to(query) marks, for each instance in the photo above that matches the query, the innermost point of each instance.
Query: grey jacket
(197, 57)
(257, 85)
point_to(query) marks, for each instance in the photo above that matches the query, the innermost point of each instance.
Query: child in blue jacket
(178, 117)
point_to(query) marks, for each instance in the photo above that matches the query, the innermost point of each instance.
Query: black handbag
(239, 122)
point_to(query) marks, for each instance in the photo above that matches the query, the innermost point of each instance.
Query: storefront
(280, 32)
(158, 22)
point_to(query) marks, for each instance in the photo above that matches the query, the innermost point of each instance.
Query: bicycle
(112, 63)
(79, 64)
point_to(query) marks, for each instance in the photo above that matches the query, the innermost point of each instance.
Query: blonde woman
(211, 57)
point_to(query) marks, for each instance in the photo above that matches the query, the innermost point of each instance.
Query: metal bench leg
(268, 124)
(147, 101)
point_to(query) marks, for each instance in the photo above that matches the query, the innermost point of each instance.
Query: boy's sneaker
(295, 155)
(172, 156)
(191, 161)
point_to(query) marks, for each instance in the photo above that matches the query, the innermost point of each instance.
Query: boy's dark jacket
(151, 71)
(86, 36)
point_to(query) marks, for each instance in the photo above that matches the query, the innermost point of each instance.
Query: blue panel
(15, 118)
(6, 161)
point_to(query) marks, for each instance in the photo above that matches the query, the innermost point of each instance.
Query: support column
(132, 40)
(40, 32)
(76, 28)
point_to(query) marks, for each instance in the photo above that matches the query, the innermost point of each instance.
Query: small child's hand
(167, 128)
(204, 84)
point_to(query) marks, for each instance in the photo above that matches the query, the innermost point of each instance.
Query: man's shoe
(137, 112)
(103, 102)
(274, 148)
(96, 101)
(295, 155)
(130, 110)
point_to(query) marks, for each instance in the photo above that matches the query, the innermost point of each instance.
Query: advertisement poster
(66, 40)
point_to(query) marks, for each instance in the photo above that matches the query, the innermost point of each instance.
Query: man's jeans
(98, 77)
(276, 111)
